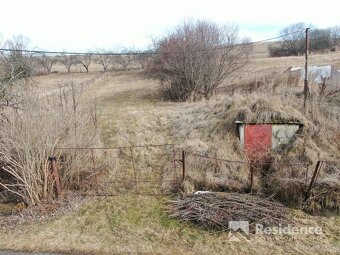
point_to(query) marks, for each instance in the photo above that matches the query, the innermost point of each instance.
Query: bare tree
(46, 62)
(85, 61)
(293, 38)
(17, 63)
(335, 35)
(320, 39)
(292, 41)
(195, 58)
(14, 65)
(125, 59)
(68, 61)
(104, 58)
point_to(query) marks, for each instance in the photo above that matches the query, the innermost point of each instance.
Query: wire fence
(163, 169)
(146, 170)
(224, 174)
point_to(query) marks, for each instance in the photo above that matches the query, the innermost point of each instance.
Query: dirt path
(131, 112)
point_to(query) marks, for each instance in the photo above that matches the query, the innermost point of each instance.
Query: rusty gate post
(55, 173)
(183, 165)
(314, 178)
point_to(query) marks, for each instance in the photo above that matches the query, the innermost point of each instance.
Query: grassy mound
(209, 128)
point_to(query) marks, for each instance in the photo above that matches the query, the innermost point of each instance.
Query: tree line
(22, 62)
(190, 62)
(293, 40)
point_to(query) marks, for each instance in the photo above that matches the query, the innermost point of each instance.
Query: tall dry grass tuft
(29, 135)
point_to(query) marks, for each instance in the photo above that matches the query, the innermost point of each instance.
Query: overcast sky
(82, 25)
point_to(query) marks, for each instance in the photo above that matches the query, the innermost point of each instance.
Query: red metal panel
(258, 141)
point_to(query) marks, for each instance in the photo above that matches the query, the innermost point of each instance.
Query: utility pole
(306, 88)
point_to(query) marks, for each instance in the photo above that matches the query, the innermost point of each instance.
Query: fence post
(183, 165)
(174, 162)
(134, 170)
(314, 178)
(251, 178)
(55, 173)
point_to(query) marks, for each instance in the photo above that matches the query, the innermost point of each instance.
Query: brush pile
(216, 209)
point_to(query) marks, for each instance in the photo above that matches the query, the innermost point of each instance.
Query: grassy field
(132, 224)
(131, 112)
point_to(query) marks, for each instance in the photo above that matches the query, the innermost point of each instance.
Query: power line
(145, 53)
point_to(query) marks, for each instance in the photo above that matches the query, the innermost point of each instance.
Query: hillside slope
(131, 113)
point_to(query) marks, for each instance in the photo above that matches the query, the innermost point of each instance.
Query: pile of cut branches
(216, 209)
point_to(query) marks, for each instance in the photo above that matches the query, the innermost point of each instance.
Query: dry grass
(259, 67)
(131, 113)
(137, 224)
(209, 128)
(274, 99)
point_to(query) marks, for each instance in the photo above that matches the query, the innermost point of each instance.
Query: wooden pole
(314, 178)
(306, 87)
(183, 164)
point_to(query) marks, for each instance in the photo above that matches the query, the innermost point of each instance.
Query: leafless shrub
(196, 58)
(28, 136)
